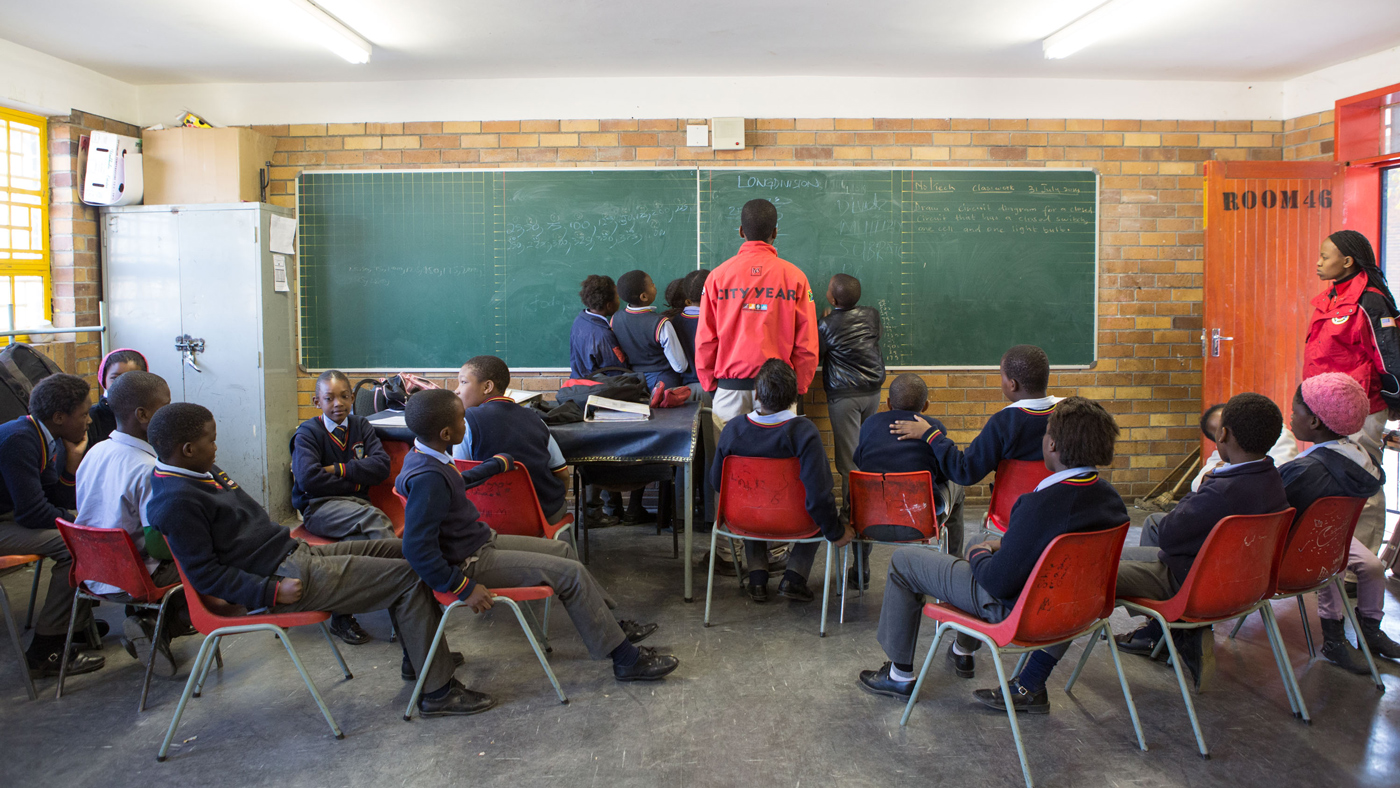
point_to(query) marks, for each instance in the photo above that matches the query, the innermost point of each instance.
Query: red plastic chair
(9, 564)
(1233, 575)
(1069, 595)
(901, 506)
(109, 555)
(1014, 478)
(764, 499)
(382, 494)
(1314, 556)
(216, 627)
(508, 502)
(300, 532)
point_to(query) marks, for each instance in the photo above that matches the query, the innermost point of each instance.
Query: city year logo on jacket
(756, 270)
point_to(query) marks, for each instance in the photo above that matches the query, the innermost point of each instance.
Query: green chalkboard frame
(700, 174)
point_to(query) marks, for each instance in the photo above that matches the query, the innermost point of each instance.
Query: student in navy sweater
(592, 344)
(1012, 433)
(39, 456)
(455, 552)
(1326, 409)
(336, 458)
(1074, 498)
(230, 549)
(647, 337)
(775, 430)
(114, 365)
(687, 322)
(1247, 484)
(880, 451)
(496, 424)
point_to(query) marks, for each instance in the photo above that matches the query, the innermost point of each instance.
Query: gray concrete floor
(759, 700)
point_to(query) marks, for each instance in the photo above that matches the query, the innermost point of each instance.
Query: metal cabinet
(191, 287)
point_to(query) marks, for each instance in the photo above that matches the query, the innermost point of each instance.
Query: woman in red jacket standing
(1353, 331)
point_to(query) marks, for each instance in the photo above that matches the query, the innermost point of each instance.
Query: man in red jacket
(755, 306)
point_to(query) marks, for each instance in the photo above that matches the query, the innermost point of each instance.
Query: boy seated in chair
(456, 553)
(1078, 440)
(774, 430)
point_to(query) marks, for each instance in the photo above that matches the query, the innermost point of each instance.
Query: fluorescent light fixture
(334, 34)
(1108, 18)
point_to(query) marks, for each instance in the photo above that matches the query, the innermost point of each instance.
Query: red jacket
(1344, 336)
(755, 306)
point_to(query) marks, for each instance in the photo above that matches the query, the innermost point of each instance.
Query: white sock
(898, 675)
(958, 649)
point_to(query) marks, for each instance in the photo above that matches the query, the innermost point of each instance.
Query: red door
(1264, 224)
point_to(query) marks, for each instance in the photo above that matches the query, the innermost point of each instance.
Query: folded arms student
(457, 553)
(231, 549)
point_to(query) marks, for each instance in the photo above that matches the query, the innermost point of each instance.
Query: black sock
(44, 645)
(1153, 630)
(439, 693)
(1037, 670)
(790, 577)
(625, 655)
(758, 577)
(905, 667)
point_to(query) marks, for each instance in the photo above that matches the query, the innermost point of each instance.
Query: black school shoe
(878, 682)
(757, 592)
(643, 517)
(965, 665)
(795, 589)
(1024, 702)
(1140, 641)
(47, 667)
(458, 702)
(650, 666)
(1197, 650)
(636, 632)
(407, 672)
(345, 627)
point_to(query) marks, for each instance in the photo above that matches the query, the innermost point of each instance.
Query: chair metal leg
(19, 647)
(826, 586)
(325, 630)
(534, 644)
(860, 569)
(218, 657)
(535, 627)
(1350, 612)
(1290, 681)
(1083, 658)
(1010, 709)
(710, 577)
(204, 672)
(1307, 628)
(428, 660)
(68, 644)
(845, 557)
(33, 594)
(310, 685)
(195, 670)
(151, 663)
(1185, 691)
(919, 682)
(734, 553)
(1021, 662)
(1123, 681)
(544, 623)
(1278, 663)
(1239, 622)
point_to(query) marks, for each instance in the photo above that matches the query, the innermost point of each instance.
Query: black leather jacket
(852, 364)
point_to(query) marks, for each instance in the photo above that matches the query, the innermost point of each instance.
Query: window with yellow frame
(24, 221)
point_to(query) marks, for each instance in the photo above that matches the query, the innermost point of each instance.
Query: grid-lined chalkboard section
(427, 269)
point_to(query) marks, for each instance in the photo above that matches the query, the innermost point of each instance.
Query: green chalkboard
(424, 269)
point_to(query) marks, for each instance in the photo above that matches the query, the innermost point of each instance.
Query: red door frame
(1357, 134)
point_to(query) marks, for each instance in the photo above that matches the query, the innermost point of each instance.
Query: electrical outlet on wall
(697, 135)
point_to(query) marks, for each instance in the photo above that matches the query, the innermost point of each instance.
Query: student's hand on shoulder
(73, 452)
(910, 430)
(479, 600)
(846, 537)
(288, 591)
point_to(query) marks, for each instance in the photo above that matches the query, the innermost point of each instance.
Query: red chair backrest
(1235, 568)
(201, 617)
(107, 555)
(507, 501)
(382, 495)
(764, 497)
(1318, 543)
(893, 499)
(1070, 588)
(1014, 478)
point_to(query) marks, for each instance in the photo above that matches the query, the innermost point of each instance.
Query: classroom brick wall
(1308, 138)
(1149, 371)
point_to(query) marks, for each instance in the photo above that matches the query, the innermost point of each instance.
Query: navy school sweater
(1324, 473)
(362, 459)
(103, 424)
(1248, 488)
(36, 488)
(638, 332)
(592, 345)
(1012, 433)
(796, 437)
(225, 541)
(441, 529)
(881, 452)
(500, 426)
(687, 325)
(1078, 504)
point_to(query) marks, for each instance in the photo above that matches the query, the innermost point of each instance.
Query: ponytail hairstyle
(1354, 245)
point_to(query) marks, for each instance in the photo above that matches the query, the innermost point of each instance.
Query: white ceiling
(151, 42)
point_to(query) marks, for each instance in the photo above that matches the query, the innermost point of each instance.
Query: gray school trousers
(52, 619)
(361, 576)
(916, 573)
(509, 561)
(847, 414)
(346, 517)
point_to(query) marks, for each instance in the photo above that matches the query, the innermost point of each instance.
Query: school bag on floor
(21, 368)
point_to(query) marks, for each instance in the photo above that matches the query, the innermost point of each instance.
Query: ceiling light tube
(335, 35)
(1099, 23)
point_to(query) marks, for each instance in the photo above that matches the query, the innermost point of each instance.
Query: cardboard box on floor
(188, 165)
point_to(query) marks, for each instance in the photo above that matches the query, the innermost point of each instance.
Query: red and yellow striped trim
(336, 440)
(500, 399)
(1083, 480)
(43, 444)
(933, 436)
(1039, 412)
(466, 581)
(168, 475)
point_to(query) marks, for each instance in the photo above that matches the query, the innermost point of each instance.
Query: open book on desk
(604, 409)
(521, 396)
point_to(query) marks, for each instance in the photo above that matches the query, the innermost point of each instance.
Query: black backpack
(611, 382)
(21, 368)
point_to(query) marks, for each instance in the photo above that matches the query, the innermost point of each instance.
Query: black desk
(670, 436)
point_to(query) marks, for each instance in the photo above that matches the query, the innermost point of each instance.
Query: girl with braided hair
(1353, 331)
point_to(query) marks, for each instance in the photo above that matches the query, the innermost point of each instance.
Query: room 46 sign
(1281, 199)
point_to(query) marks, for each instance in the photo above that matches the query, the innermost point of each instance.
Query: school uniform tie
(339, 434)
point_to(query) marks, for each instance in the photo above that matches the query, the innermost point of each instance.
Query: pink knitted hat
(1338, 400)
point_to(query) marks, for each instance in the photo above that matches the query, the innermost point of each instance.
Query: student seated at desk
(1074, 498)
(231, 549)
(1326, 409)
(456, 553)
(496, 424)
(647, 337)
(775, 430)
(113, 366)
(879, 451)
(592, 344)
(336, 458)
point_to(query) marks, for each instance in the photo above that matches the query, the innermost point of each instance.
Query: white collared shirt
(1039, 403)
(175, 469)
(773, 418)
(431, 452)
(1068, 473)
(691, 311)
(113, 488)
(50, 443)
(332, 426)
